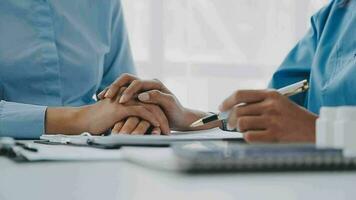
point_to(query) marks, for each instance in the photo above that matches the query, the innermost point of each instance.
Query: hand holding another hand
(97, 118)
(137, 125)
(154, 92)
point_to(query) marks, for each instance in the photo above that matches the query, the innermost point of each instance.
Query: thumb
(157, 97)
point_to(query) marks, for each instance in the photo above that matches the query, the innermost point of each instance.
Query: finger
(121, 90)
(124, 80)
(102, 94)
(130, 125)
(156, 131)
(157, 97)
(139, 86)
(117, 127)
(249, 123)
(259, 137)
(141, 128)
(253, 109)
(243, 96)
(143, 113)
(161, 117)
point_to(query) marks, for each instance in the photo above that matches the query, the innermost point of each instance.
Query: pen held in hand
(287, 91)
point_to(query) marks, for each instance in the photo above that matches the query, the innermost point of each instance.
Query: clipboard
(117, 141)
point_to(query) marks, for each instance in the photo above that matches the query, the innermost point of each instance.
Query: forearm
(65, 121)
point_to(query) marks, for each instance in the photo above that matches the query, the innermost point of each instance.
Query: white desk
(125, 181)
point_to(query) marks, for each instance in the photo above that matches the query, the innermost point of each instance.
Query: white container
(325, 127)
(345, 130)
(350, 140)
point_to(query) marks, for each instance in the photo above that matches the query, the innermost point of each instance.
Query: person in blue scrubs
(326, 56)
(55, 56)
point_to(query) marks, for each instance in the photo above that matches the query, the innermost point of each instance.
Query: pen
(288, 91)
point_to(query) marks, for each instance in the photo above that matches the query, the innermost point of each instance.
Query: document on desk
(68, 153)
(144, 140)
(213, 134)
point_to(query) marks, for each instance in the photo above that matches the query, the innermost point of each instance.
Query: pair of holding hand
(267, 117)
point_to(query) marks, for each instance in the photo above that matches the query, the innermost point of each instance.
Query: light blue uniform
(326, 56)
(56, 53)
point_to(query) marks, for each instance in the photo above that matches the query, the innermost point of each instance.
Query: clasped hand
(152, 93)
(266, 116)
(141, 123)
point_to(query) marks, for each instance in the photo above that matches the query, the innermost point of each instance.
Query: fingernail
(123, 99)
(144, 97)
(108, 94)
(229, 128)
(101, 93)
(155, 133)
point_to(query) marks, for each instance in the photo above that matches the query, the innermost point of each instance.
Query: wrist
(80, 118)
(66, 120)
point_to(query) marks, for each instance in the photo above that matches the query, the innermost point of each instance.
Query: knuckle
(271, 107)
(136, 82)
(154, 108)
(237, 94)
(171, 99)
(273, 94)
(131, 120)
(114, 84)
(237, 111)
(242, 124)
(274, 126)
(141, 108)
(125, 75)
(158, 81)
(155, 93)
(160, 84)
(249, 137)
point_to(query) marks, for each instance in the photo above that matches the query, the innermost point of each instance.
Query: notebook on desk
(238, 157)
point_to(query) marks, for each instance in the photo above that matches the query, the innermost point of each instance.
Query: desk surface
(124, 181)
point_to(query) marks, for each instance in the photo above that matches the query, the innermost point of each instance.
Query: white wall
(203, 50)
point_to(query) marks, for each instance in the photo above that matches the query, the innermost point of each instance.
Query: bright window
(203, 50)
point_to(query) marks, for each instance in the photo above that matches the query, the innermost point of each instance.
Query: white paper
(69, 153)
(155, 157)
(212, 134)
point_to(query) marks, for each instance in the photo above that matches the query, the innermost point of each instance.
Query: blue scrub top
(56, 53)
(326, 56)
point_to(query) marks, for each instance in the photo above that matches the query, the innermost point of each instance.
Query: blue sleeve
(21, 121)
(297, 65)
(119, 60)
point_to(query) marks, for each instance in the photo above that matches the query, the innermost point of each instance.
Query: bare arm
(96, 118)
